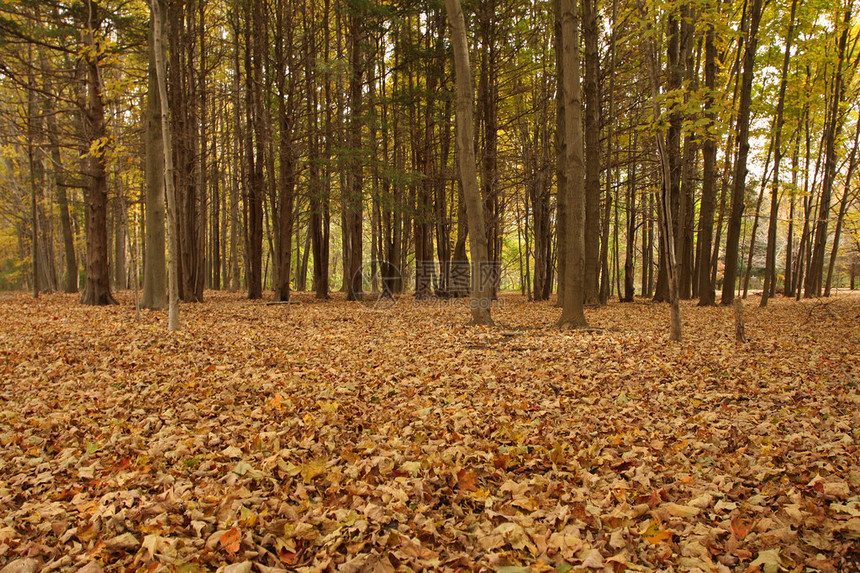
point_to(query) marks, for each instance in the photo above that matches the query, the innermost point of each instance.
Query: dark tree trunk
(591, 93)
(832, 129)
(707, 296)
(739, 184)
(97, 288)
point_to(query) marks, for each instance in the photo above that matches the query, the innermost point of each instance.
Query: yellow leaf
(655, 534)
(313, 470)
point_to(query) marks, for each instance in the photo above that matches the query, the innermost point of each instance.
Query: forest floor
(339, 436)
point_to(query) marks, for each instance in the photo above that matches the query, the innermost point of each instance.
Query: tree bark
(154, 261)
(591, 93)
(707, 296)
(843, 205)
(740, 176)
(481, 301)
(573, 233)
(832, 129)
(97, 288)
(770, 255)
(173, 324)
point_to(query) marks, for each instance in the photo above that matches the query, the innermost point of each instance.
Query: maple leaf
(655, 534)
(467, 480)
(230, 540)
(312, 470)
(740, 526)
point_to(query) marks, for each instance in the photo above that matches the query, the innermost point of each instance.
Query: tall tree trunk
(573, 233)
(707, 296)
(354, 196)
(591, 91)
(739, 183)
(481, 288)
(70, 274)
(667, 239)
(255, 147)
(832, 128)
(286, 159)
(770, 255)
(843, 205)
(97, 288)
(154, 261)
(157, 7)
(630, 236)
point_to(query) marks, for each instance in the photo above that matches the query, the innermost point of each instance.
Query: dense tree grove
(658, 148)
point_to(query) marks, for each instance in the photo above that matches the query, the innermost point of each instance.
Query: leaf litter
(338, 437)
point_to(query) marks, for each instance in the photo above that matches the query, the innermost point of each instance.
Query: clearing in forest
(337, 436)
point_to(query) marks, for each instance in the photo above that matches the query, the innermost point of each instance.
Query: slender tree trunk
(154, 262)
(739, 183)
(707, 295)
(255, 149)
(286, 155)
(591, 92)
(667, 239)
(354, 196)
(630, 208)
(832, 129)
(167, 146)
(481, 288)
(843, 204)
(770, 255)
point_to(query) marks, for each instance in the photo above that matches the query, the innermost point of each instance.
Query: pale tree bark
(667, 242)
(573, 234)
(167, 145)
(481, 288)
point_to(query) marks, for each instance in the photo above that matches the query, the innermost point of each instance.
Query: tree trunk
(169, 186)
(843, 204)
(573, 233)
(97, 288)
(354, 197)
(707, 295)
(770, 255)
(667, 239)
(832, 129)
(286, 160)
(481, 288)
(154, 262)
(739, 183)
(591, 92)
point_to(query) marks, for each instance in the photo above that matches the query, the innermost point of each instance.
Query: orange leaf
(230, 540)
(467, 480)
(740, 527)
(655, 534)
